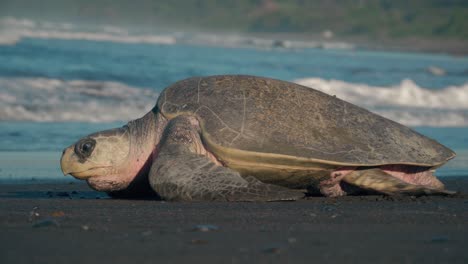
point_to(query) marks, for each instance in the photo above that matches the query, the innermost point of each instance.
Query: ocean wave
(12, 30)
(236, 41)
(406, 94)
(406, 102)
(53, 100)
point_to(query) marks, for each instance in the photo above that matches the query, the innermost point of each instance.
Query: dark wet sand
(69, 223)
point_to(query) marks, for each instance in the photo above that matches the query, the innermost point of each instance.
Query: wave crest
(407, 94)
(16, 29)
(406, 102)
(53, 100)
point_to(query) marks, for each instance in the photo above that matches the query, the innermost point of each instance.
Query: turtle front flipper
(379, 181)
(183, 170)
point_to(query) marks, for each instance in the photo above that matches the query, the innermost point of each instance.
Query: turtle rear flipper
(379, 181)
(180, 172)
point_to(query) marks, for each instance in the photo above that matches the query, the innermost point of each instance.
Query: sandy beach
(69, 223)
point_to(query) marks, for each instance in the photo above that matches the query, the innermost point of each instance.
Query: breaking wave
(236, 41)
(406, 102)
(12, 30)
(53, 100)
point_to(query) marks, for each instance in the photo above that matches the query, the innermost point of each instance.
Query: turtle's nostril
(63, 152)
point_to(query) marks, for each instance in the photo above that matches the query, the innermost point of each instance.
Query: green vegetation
(368, 18)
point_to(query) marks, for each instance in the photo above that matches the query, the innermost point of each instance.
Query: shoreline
(52, 222)
(452, 47)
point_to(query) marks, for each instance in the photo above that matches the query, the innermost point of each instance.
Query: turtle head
(103, 159)
(116, 161)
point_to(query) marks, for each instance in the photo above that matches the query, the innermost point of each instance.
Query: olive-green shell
(263, 115)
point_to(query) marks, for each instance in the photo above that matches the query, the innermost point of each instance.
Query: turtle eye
(85, 147)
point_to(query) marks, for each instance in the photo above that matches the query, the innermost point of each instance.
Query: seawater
(59, 85)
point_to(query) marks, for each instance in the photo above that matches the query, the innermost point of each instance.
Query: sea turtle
(247, 138)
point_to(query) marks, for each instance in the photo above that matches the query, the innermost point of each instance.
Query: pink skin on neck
(138, 163)
(120, 178)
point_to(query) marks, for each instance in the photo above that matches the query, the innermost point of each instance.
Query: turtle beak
(66, 162)
(72, 164)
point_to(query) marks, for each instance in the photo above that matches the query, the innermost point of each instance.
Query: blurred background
(72, 67)
(433, 25)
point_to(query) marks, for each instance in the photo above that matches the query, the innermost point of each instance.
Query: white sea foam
(407, 94)
(12, 30)
(406, 102)
(51, 100)
(41, 99)
(231, 40)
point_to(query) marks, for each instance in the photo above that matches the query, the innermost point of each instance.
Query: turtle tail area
(395, 180)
